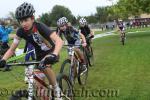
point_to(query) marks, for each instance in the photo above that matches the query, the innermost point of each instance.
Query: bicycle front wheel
(123, 40)
(65, 67)
(90, 56)
(66, 87)
(20, 95)
(82, 75)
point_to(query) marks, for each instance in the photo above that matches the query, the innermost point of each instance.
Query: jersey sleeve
(19, 32)
(44, 29)
(88, 28)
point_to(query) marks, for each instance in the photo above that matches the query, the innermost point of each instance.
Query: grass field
(123, 69)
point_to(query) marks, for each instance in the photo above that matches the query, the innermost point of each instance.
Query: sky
(77, 7)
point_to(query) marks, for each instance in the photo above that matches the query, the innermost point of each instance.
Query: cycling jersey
(38, 37)
(85, 30)
(120, 25)
(71, 34)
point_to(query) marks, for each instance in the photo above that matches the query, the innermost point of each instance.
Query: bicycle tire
(83, 75)
(63, 66)
(123, 40)
(90, 56)
(71, 75)
(68, 92)
(20, 94)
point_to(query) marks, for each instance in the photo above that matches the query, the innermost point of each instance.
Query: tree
(102, 14)
(57, 12)
(14, 21)
(91, 19)
(133, 7)
(45, 18)
(61, 11)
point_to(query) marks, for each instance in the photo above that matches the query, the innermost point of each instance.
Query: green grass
(139, 29)
(100, 32)
(121, 68)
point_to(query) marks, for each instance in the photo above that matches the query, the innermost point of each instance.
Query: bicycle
(89, 51)
(74, 67)
(31, 92)
(123, 38)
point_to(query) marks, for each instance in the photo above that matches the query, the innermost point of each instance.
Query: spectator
(29, 49)
(4, 37)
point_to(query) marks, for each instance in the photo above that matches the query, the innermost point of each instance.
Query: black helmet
(24, 10)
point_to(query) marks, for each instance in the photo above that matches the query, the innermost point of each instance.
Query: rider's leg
(83, 61)
(49, 73)
(41, 91)
(80, 54)
(52, 80)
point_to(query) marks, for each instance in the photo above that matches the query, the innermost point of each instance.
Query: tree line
(123, 9)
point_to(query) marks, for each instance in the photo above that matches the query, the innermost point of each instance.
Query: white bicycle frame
(71, 53)
(30, 76)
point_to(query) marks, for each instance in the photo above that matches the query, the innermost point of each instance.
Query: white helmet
(62, 21)
(82, 21)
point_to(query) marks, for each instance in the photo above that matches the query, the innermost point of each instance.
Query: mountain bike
(31, 93)
(72, 67)
(123, 37)
(89, 51)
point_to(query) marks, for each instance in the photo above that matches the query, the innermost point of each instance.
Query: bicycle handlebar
(72, 45)
(23, 63)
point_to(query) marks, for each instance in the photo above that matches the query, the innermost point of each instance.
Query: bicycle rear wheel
(66, 87)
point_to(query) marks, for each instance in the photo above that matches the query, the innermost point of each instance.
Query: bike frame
(73, 58)
(31, 76)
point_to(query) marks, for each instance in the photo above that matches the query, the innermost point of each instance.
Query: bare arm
(83, 38)
(92, 32)
(58, 43)
(12, 48)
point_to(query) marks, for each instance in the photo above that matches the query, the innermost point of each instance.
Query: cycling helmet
(24, 10)
(62, 21)
(82, 21)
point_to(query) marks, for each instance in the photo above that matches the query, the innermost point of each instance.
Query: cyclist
(46, 42)
(73, 37)
(85, 30)
(121, 28)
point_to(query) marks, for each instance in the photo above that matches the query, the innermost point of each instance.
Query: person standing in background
(30, 53)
